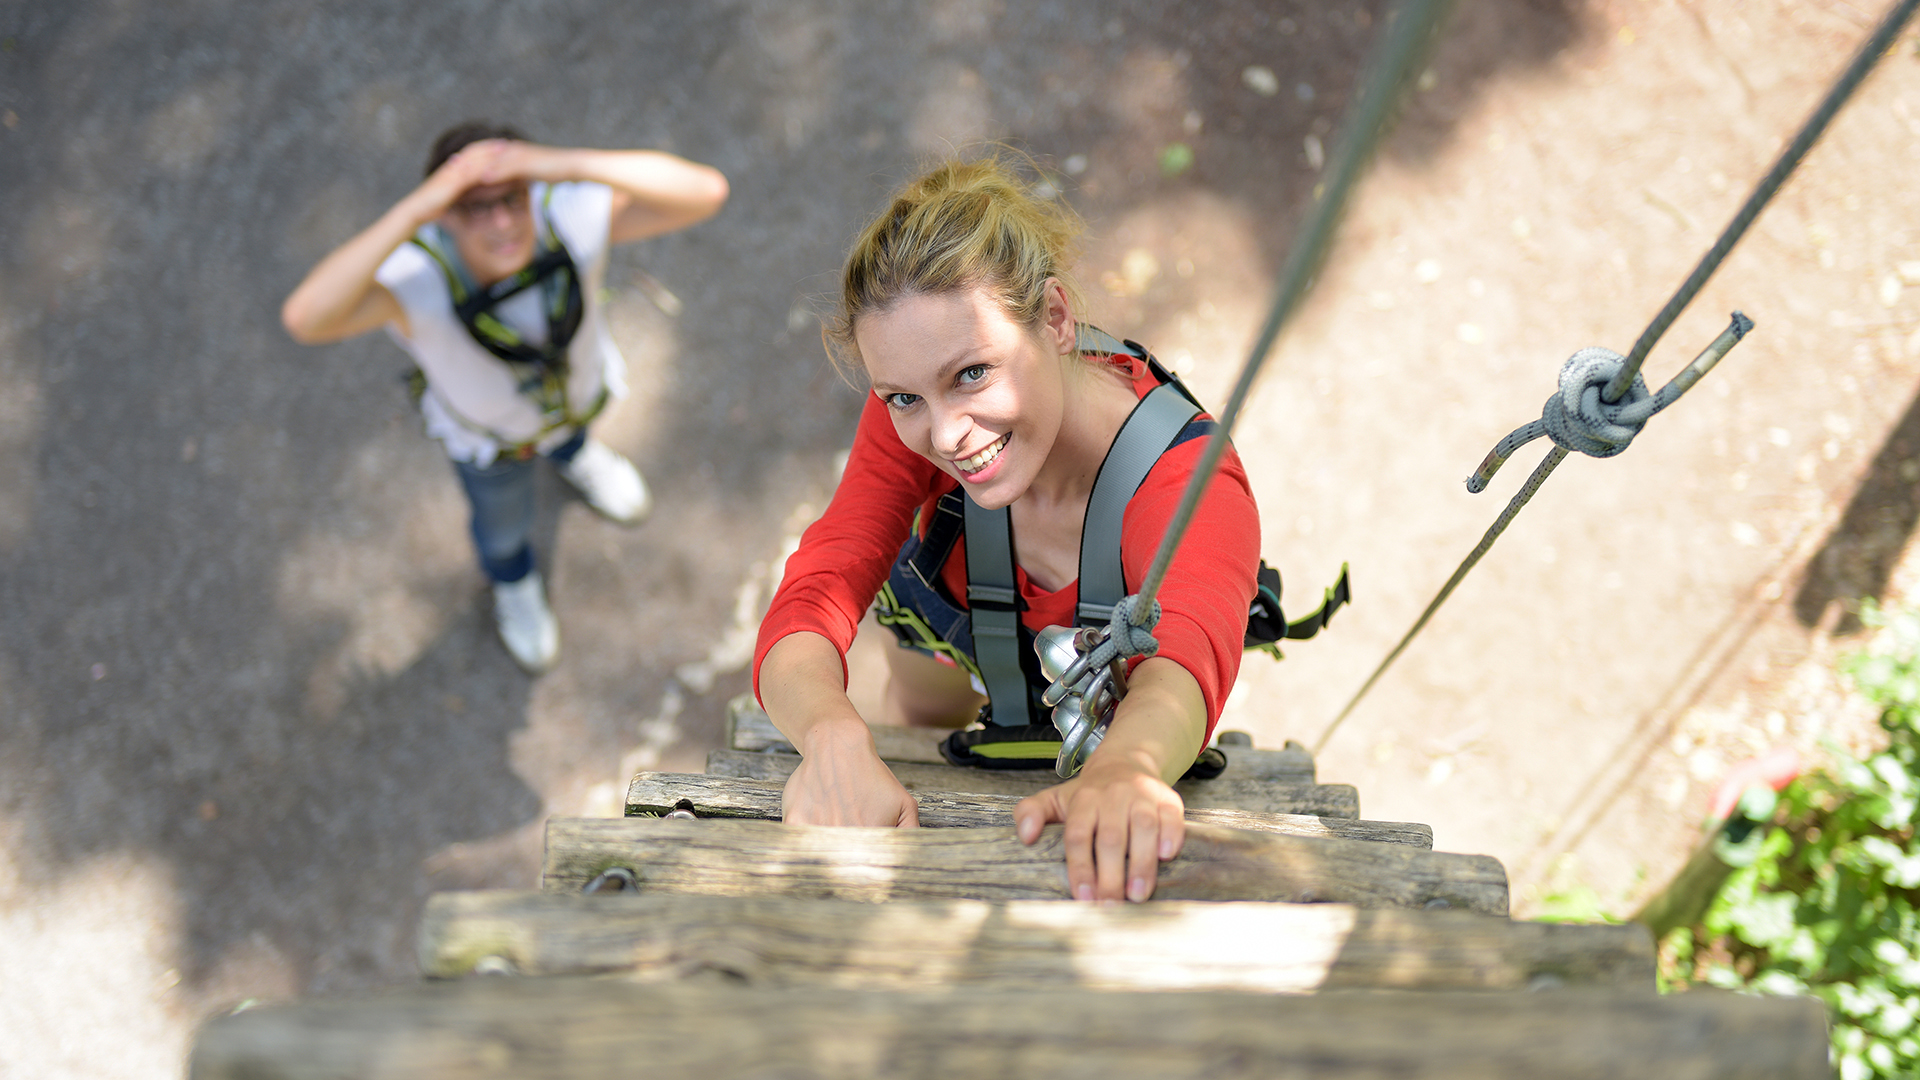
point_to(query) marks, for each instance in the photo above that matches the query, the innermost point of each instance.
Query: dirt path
(250, 709)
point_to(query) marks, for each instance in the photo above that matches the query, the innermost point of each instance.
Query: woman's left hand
(1122, 822)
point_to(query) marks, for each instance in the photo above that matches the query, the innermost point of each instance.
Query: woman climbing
(958, 310)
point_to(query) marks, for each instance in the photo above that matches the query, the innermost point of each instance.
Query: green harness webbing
(540, 371)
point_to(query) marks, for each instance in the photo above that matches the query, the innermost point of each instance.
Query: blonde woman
(958, 311)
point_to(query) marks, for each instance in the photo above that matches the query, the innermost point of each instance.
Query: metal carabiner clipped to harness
(1084, 693)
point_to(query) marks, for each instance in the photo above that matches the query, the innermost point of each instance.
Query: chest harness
(1015, 733)
(540, 371)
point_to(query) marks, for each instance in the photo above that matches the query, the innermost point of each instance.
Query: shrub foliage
(1826, 901)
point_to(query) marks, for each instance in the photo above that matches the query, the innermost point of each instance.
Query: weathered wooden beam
(749, 729)
(578, 1028)
(926, 944)
(760, 858)
(1258, 796)
(652, 794)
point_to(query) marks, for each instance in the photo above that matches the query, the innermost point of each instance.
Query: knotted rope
(1579, 418)
(1123, 638)
(1576, 418)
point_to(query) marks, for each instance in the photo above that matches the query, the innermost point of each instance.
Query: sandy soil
(250, 709)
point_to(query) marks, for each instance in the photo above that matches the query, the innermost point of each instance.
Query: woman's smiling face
(968, 388)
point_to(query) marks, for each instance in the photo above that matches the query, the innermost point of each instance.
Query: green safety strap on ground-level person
(540, 370)
(1016, 732)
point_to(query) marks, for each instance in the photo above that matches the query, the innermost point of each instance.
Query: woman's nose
(950, 430)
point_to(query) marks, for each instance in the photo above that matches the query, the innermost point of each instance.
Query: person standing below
(488, 274)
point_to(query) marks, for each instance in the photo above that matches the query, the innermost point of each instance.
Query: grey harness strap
(1145, 436)
(993, 610)
(993, 600)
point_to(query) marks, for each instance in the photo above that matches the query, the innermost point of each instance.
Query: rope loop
(1120, 638)
(1128, 639)
(1579, 418)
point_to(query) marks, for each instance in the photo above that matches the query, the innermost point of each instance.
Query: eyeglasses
(472, 211)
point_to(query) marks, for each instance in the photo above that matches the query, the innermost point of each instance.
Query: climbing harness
(540, 371)
(1603, 401)
(1012, 735)
(1410, 31)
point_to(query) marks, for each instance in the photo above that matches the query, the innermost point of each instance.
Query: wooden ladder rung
(925, 944)
(652, 794)
(761, 858)
(546, 1029)
(1258, 796)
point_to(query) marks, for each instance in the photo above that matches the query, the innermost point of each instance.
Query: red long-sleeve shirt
(845, 556)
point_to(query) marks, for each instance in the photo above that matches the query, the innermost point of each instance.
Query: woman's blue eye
(973, 374)
(901, 401)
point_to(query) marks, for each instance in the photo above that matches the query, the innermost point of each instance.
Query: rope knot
(1128, 639)
(1576, 417)
(1120, 639)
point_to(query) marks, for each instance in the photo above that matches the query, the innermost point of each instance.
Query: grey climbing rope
(1085, 693)
(1410, 30)
(1602, 401)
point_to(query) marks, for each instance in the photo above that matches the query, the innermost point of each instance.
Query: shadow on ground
(1858, 558)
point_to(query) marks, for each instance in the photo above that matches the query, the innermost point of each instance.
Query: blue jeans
(502, 498)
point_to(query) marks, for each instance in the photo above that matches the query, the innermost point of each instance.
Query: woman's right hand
(842, 781)
(487, 161)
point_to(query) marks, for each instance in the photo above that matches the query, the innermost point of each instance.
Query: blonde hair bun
(961, 224)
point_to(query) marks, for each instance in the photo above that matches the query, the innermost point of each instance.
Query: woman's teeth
(980, 460)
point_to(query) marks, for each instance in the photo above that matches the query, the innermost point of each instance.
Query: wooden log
(749, 729)
(1258, 796)
(652, 794)
(923, 945)
(547, 1029)
(760, 858)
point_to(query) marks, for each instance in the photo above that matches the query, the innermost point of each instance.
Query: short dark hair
(461, 135)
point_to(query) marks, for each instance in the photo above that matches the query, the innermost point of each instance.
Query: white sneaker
(526, 623)
(610, 483)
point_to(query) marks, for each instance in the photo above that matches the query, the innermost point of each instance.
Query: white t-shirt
(473, 404)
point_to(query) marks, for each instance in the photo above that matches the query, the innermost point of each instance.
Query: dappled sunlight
(797, 49)
(1260, 948)
(1189, 280)
(261, 706)
(934, 941)
(387, 570)
(180, 135)
(1463, 278)
(954, 111)
(645, 333)
(92, 951)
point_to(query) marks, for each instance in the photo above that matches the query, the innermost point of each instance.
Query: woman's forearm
(841, 779)
(337, 298)
(655, 192)
(803, 688)
(1161, 725)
